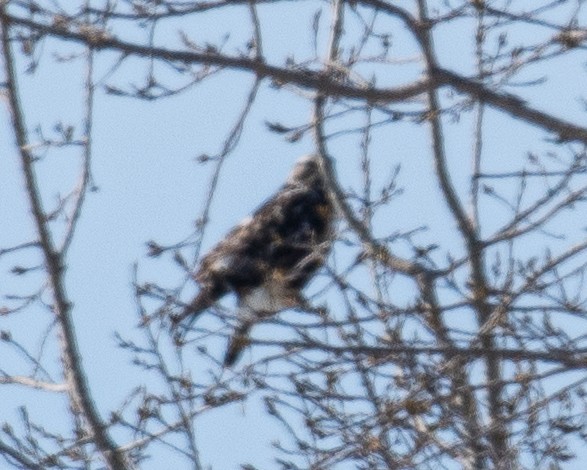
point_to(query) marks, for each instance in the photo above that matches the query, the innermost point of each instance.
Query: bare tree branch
(75, 377)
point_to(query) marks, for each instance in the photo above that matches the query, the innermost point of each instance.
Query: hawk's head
(306, 171)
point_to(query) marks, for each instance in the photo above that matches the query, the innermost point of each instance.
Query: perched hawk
(269, 257)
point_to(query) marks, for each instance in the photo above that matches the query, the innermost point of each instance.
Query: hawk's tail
(239, 341)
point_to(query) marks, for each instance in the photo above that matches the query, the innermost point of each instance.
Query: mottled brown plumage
(269, 257)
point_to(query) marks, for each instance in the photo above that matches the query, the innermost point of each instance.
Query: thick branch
(304, 78)
(570, 359)
(324, 82)
(512, 105)
(78, 388)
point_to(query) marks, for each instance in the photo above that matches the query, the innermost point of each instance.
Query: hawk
(270, 256)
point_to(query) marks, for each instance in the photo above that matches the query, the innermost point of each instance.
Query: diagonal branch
(303, 77)
(512, 105)
(74, 373)
(322, 82)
